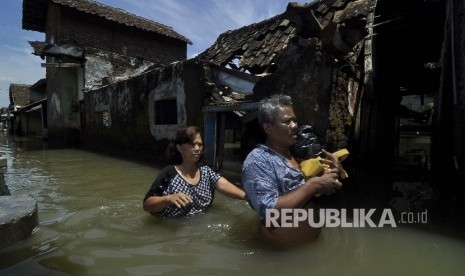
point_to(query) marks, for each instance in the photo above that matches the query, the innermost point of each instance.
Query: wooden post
(220, 146)
(210, 138)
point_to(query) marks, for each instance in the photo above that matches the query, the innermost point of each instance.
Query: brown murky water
(92, 223)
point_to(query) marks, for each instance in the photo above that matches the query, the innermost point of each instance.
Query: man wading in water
(272, 178)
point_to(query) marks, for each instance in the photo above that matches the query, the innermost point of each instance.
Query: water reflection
(91, 222)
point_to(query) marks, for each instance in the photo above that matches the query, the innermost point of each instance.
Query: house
(349, 66)
(31, 118)
(352, 67)
(88, 45)
(19, 97)
(300, 52)
(312, 52)
(26, 114)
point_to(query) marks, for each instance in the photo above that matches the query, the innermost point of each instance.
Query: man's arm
(325, 184)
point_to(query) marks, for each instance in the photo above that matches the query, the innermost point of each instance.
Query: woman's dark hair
(184, 135)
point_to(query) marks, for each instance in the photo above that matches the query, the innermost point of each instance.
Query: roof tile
(260, 43)
(38, 8)
(19, 94)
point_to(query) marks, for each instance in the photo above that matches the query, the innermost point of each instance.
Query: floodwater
(91, 222)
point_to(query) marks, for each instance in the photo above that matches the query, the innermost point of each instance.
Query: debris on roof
(254, 48)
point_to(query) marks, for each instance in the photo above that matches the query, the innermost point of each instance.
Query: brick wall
(90, 31)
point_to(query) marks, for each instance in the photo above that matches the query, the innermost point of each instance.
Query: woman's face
(191, 152)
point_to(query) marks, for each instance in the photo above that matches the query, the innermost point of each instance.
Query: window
(166, 112)
(104, 119)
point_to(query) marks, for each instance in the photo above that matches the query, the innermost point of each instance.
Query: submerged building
(381, 78)
(88, 45)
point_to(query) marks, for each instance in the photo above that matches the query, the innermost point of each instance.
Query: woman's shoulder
(205, 166)
(170, 169)
(167, 172)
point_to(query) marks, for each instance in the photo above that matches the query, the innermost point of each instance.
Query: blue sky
(201, 21)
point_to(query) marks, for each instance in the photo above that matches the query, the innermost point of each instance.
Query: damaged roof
(19, 94)
(38, 47)
(35, 15)
(254, 48)
(43, 49)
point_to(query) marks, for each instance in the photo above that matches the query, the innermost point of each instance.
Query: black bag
(308, 145)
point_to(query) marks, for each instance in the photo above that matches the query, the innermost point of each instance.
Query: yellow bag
(313, 167)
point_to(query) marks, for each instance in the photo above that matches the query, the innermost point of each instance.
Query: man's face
(284, 130)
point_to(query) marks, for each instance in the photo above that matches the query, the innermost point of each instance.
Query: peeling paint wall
(97, 68)
(103, 67)
(320, 93)
(63, 108)
(319, 87)
(167, 90)
(131, 131)
(113, 53)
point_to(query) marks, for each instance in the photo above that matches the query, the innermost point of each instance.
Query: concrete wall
(103, 67)
(3, 187)
(171, 88)
(63, 87)
(31, 123)
(319, 89)
(112, 50)
(37, 95)
(130, 130)
(34, 122)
